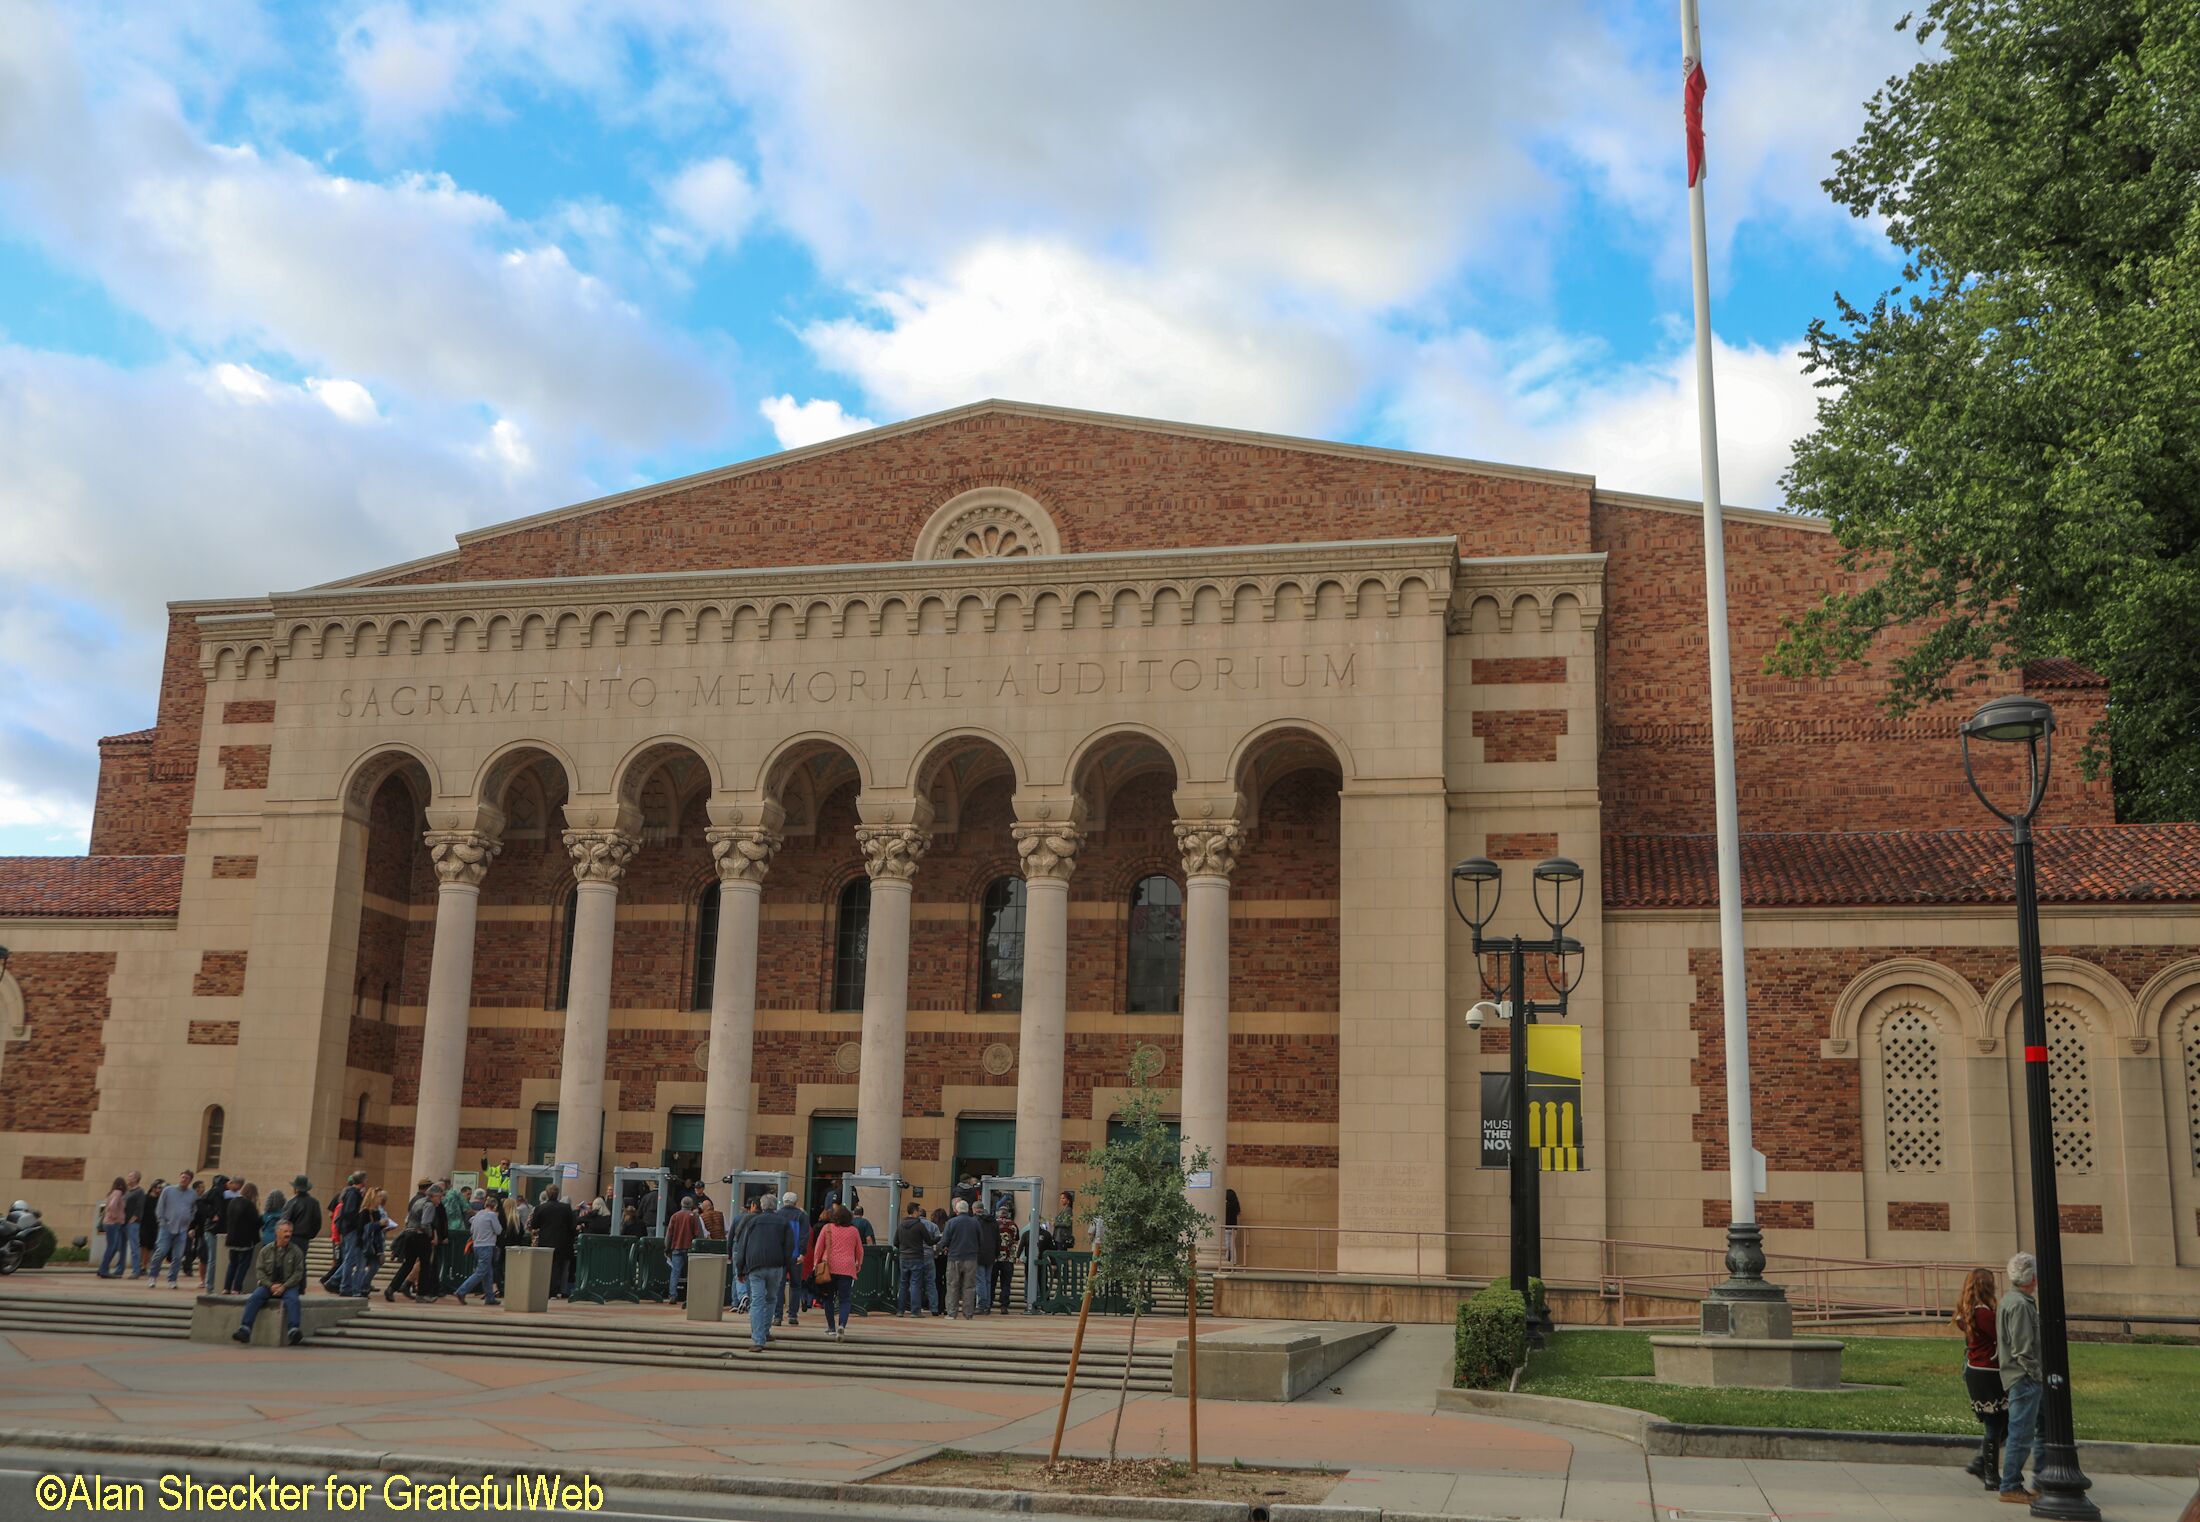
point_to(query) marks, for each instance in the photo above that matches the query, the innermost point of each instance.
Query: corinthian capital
(891, 851)
(1047, 848)
(600, 856)
(462, 856)
(744, 851)
(1209, 846)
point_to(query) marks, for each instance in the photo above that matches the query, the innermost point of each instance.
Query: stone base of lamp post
(1746, 1335)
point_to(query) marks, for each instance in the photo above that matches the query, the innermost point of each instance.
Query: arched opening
(568, 916)
(210, 1139)
(1001, 947)
(817, 878)
(1153, 946)
(396, 937)
(851, 943)
(705, 970)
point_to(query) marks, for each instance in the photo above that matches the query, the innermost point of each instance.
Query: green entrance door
(982, 1147)
(1117, 1130)
(542, 1136)
(683, 1152)
(832, 1153)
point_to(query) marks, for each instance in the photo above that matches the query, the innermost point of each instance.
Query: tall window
(1155, 962)
(359, 1129)
(210, 1139)
(706, 947)
(565, 945)
(1909, 1059)
(851, 943)
(1001, 946)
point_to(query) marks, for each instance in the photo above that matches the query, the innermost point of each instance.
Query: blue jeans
(2024, 1432)
(261, 1296)
(351, 1266)
(839, 1298)
(484, 1274)
(211, 1248)
(677, 1262)
(985, 1288)
(765, 1285)
(116, 1252)
(169, 1247)
(920, 1289)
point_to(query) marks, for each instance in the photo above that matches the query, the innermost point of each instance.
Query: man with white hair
(2017, 1341)
(964, 1243)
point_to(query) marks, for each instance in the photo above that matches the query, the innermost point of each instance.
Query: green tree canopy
(2007, 440)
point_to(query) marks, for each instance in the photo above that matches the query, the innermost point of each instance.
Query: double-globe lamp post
(2030, 723)
(1563, 880)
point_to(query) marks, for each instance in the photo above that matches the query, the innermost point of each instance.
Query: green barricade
(876, 1281)
(1062, 1281)
(604, 1268)
(652, 1269)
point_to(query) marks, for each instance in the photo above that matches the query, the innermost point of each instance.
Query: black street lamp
(2031, 723)
(1563, 880)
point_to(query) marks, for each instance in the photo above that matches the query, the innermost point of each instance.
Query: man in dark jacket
(767, 1246)
(554, 1228)
(962, 1241)
(989, 1253)
(210, 1226)
(350, 1245)
(913, 1251)
(281, 1269)
(790, 1211)
(244, 1239)
(303, 1213)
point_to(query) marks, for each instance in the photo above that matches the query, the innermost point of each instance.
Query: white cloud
(1042, 322)
(1555, 403)
(811, 422)
(714, 201)
(415, 283)
(348, 399)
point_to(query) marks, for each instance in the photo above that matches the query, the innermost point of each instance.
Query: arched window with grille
(569, 914)
(2070, 1091)
(1001, 946)
(851, 943)
(210, 1139)
(706, 948)
(2192, 1082)
(1153, 962)
(1909, 1058)
(359, 1128)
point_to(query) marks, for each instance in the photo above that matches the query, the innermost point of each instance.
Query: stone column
(461, 860)
(1046, 844)
(599, 861)
(1209, 848)
(744, 853)
(890, 855)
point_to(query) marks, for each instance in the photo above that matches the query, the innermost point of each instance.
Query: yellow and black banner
(1555, 1128)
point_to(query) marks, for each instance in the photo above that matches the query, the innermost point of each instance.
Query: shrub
(1491, 1338)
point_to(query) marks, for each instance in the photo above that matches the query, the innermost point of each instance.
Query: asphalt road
(117, 1485)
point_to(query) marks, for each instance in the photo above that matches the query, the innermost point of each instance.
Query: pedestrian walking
(680, 1234)
(209, 1226)
(280, 1269)
(766, 1250)
(839, 1254)
(244, 1238)
(1974, 1320)
(1229, 1225)
(410, 1251)
(350, 1211)
(2017, 1349)
(148, 1227)
(1065, 1224)
(989, 1253)
(737, 1287)
(172, 1214)
(114, 1226)
(133, 1216)
(963, 1243)
(554, 1227)
(913, 1251)
(484, 1228)
(1004, 1262)
(790, 1211)
(374, 1237)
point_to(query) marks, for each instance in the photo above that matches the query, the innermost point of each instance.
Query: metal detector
(991, 1187)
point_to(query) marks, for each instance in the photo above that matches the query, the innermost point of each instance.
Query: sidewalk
(1376, 1424)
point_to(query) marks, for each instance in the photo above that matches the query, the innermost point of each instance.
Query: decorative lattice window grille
(2070, 1091)
(2192, 1081)
(1909, 1058)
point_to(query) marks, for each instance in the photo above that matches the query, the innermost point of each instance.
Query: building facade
(869, 804)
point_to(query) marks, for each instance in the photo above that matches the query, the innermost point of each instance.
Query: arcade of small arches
(970, 892)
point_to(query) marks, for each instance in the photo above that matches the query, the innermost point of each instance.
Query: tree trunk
(1123, 1390)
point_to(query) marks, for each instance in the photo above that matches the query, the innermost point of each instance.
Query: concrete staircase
(592, 1338)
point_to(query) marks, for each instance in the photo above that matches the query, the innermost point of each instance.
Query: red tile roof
(2079, 864)
(2055, 672)
(90, 887)
(134, 737)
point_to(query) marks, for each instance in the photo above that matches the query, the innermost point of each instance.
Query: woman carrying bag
(835, 1257)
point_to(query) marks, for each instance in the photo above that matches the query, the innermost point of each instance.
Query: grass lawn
(2126, 1392)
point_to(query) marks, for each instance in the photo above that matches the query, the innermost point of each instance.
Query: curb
(1663, 1439)
(758, 1487)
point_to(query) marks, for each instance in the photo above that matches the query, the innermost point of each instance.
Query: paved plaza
(1375, 1422)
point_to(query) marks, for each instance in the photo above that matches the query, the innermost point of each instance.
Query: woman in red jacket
(840, 1251)
(1974, 1320)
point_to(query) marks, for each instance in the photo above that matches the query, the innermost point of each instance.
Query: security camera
(1482, 1013)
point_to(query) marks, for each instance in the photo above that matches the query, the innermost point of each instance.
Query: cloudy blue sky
(288, 291)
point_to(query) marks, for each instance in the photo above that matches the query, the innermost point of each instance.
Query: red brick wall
(1289, 961)
(212, 1033)
(143, 806)
(236, 866)
(1507, 670)
(53, 1072)
(1523, 845)
(55, 1169)
(1519, 734)
(1917, 1215)
(2080, 1220)
(1107, 488)
(1791, 1215)
(244, 767)
(220, 974)
(249, 711)
(1791, 736)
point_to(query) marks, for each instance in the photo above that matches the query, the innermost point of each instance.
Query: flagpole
(1745, 1259)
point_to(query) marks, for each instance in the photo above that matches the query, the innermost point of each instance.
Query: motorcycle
(25, 1239)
